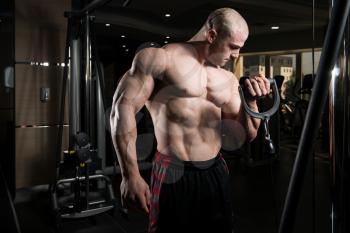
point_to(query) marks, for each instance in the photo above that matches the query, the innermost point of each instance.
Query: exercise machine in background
(80, 188)
(82, 185)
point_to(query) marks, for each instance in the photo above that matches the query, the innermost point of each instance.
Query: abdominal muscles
(188, 128)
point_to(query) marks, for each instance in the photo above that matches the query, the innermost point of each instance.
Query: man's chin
(224, 63)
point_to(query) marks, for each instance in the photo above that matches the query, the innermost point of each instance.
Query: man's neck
(202, 48)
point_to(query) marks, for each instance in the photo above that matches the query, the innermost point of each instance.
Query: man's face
(225, 48)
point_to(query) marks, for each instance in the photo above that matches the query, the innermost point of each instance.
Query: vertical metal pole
(87, 117)
(100, 100)
(74, 90)
(101, 125)
(332, 146)
(339, 139)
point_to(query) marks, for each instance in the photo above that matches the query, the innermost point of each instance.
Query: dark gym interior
(301, 44)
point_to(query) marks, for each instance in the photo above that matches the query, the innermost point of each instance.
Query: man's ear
(211, 35)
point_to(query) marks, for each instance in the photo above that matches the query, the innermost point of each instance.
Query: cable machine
(80, 189)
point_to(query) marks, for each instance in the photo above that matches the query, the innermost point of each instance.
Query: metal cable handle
(265, 116)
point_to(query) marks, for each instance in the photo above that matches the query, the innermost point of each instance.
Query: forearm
(249, 123)
(124, 134)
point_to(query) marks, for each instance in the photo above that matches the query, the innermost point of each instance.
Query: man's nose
(234, 55)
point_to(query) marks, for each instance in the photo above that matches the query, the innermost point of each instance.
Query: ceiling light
(122, 36)
(165, 42)
(275, 27)
(168, 37)
(107, 25)
(124, 46)
(126, 50)
(152, 44)
(167, 15)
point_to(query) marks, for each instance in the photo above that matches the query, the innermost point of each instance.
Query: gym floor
(257, 192)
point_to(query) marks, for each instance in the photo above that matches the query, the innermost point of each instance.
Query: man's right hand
(135, 194)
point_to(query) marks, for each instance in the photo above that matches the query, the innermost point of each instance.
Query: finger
(148, 197)
(264, 84)
(256, 87)
(267, 84)
(250, 88)
(143, 202)
(261, 84)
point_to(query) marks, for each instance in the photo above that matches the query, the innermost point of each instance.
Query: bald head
(226, 22)
(221, 37)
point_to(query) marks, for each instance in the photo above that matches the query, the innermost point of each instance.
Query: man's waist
(175, 161)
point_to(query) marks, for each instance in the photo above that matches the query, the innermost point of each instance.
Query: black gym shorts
(190, 196)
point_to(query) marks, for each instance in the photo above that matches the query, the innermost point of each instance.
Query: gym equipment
(264, 116)
(79, 189)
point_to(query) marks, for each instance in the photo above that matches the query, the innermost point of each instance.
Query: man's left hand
(256, 87)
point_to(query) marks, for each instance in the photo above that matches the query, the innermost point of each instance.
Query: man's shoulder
(163, 54)
(168, 48)
(150, 52)
(157, 60)
(180, 48)
(150, 61)
(174, 46)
